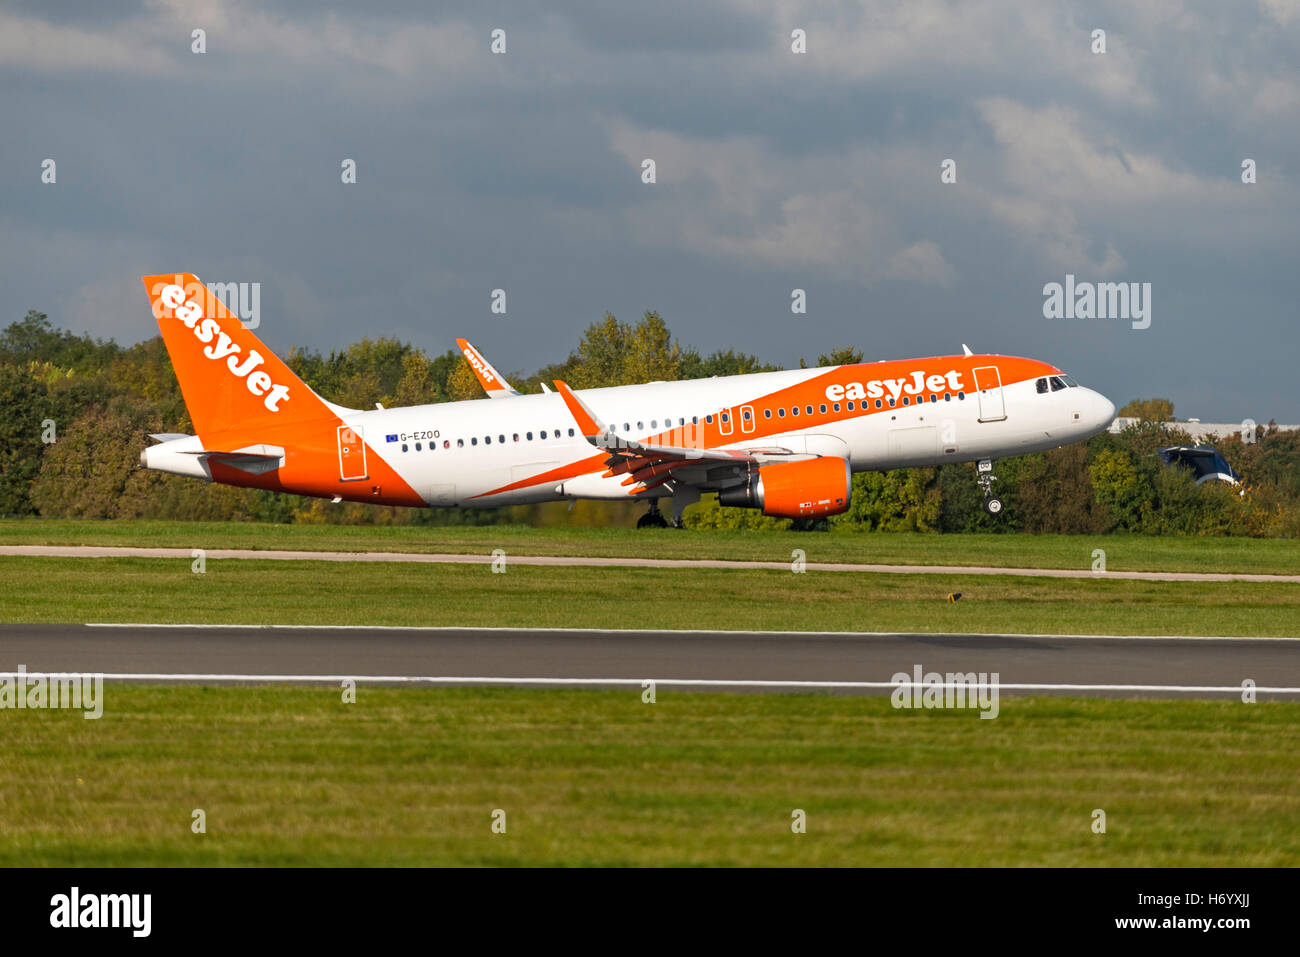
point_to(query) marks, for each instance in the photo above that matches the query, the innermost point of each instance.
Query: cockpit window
(1041, 386)
(1057, 384)
(1068, 381)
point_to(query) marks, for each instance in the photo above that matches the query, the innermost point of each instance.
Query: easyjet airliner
(786, 443)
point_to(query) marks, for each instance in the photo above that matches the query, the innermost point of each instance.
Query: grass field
(300, 592)
(1123, 552)
(412, 776)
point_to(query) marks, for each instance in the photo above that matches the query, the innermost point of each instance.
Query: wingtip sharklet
(493, 382)
(590, 426)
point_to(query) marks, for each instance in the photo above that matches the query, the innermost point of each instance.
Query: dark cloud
(775, 172)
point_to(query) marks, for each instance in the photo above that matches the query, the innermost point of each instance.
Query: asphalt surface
(269, 554)
(1107, 666)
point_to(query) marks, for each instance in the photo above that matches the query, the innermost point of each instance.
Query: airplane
(785, 443)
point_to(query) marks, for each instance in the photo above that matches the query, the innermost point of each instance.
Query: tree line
(78, 411)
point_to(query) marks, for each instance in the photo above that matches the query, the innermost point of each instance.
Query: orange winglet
(488, 377)
(581, 414)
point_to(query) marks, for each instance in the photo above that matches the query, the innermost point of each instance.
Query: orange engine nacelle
(805, 489)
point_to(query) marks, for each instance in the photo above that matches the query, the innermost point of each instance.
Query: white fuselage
(488, 453)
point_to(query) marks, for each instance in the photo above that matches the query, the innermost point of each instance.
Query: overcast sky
(775, 171)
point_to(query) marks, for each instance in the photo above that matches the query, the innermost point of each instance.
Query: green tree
(896, 501)
(691, 365)
(844, 356)
(25, 405)
(652, 354)
(601, 354)
(34, 339)
(463, 383)
(614, 353)
(707, 513)
(1149, 410)
(84, 473)
(1055, 494)
(1119, 486)
(418, 385)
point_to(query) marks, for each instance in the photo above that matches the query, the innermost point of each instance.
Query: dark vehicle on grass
(1205, 461)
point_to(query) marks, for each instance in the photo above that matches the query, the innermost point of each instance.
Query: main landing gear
(984, 475)
(653, 518)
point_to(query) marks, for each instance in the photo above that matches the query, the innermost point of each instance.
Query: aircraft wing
(493, 384)
(648, 466)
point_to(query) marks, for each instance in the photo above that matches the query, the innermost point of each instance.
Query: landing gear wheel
(985, 477)
(653, 518)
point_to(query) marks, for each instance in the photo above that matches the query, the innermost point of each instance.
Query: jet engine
(805, 489)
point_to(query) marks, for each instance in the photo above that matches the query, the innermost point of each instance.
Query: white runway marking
(640, 682)
(117, 551)
(695, 631)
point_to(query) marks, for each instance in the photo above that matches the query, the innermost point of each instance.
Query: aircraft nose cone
(1105, 410)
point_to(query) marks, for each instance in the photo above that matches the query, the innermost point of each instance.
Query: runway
(737, 661)
(218, 554)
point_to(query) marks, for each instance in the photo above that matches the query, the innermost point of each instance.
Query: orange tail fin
(228, 377)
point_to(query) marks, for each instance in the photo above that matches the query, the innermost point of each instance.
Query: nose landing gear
(984, 475)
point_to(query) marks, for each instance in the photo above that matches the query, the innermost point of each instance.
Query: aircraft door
(724, 421)
(352, 455)
(747, 422)
(988, 383)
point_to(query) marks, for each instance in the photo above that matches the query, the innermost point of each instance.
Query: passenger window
(905, 401)
(541, 434)
(961, 395)
(708, 419)
(570, 433)
(695, 420)
(528, 436)
(640, 426)
(794, 410)
(473, 441)
(418, 446)
(822, 409)
(850, 406)
(627, 427)
(460, 443)
(780, 413)
(403, 446)
(836, 407)
(654, 423)
(747, 415)
(877, 403)
(446, 443)
(516, 436)
(808, 409)
(767, 413)
(947, 397)
(726, 417)
(487, 440)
